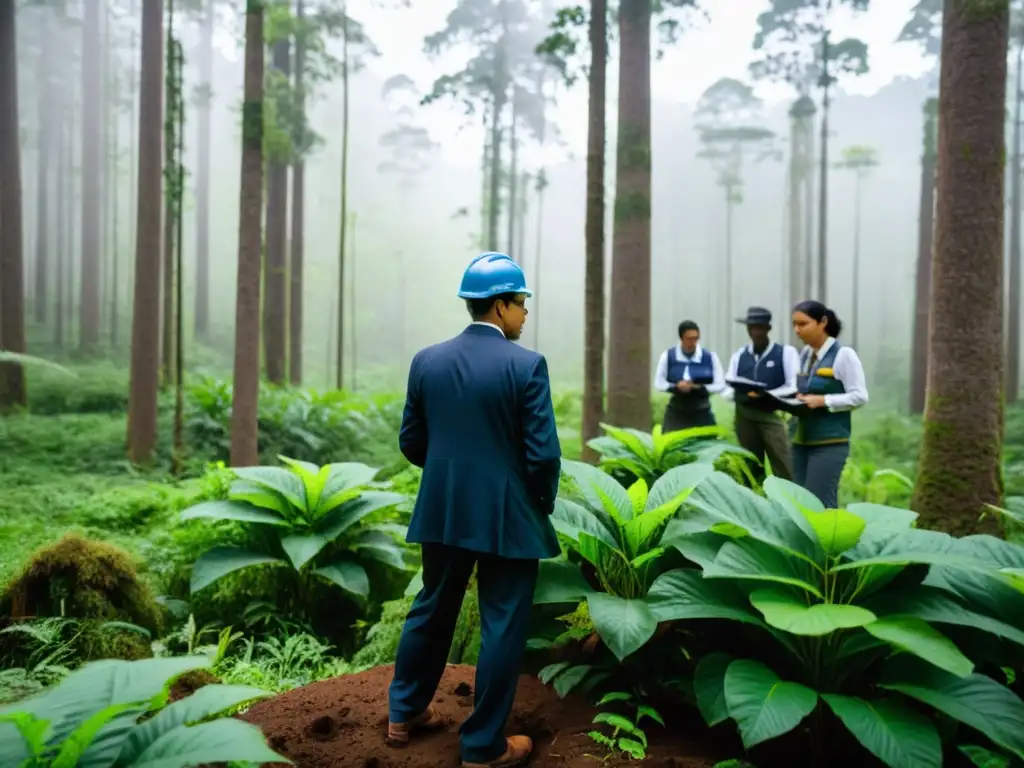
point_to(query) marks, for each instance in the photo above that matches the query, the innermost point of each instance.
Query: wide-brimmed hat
(756, 316)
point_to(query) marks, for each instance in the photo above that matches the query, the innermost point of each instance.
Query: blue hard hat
(492, 274)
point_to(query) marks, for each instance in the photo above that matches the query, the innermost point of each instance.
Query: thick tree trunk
(92, 186)
(594, 333)
(629, 364)
(202, 192)
(925, 242)
(274, 310)
(43, 189)
(145, 363)
(959, 472)
(295, 304)
(12, 287)
(244, 432)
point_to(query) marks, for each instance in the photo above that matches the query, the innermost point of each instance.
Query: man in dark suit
(479, 421)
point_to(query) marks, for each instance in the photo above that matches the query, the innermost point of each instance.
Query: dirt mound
(342, 722)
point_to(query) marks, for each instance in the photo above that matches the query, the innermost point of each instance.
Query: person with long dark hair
(830, 385)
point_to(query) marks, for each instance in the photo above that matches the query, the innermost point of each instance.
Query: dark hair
(818, 312)
(479, 308)
(688, 325)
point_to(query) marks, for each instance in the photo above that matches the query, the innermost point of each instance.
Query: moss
(83, 579)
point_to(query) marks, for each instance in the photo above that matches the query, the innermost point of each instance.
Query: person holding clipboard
(692, 374)
(830, 385)
(758, 375)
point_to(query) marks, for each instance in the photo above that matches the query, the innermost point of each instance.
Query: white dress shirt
(790, 367)
(717, 385)
(848, 369)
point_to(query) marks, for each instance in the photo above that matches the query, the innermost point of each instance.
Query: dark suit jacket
(479, 420)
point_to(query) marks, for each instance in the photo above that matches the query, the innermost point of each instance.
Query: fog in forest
(415, 205)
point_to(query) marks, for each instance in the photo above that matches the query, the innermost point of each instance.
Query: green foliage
(626, 734)
(80, 578)
(92, 718)
(848, 612)
(924, 27)
(615, 537)
(318, 516)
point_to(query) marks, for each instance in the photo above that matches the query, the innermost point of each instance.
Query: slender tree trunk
(594, 326)
(1014, 309)
(339, 362)
(629, 365)
(795, 208)
(43, 188)
(513, 184)
(145, 362)
(133, 159)
(295, 304)
(244, 431)
(727, 324)
(12, 283)
(823, 175)
(115, 243)
(485, 184)
(855, 277)
(494, 175)
(959, 470)
(62, 247)
(92, 186)
(925, 240)
(202, 189)
(275, 317)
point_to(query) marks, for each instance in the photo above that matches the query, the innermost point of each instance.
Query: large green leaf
(881, 516)
(301, 548)
(207, 702)
(624, 625)
(242, 491)
(559, 581)
(219, 741)
(278, 479)
(984, 758)
(751, 559)
(976, 700)
(348, 575)
(762, 705)
(342, 479)
(790, 494)
(890, 730)
(232, 510)
(916, 636)
(350, 512)
(996, 553)
(600, 490)
(378, 546)
(313, 477)
(675, 485)
(727, 501)
(415, 584)
(783, 610)
(685, 594)
(570, 519)
(642, 532)
(837, 530)
(218, 562)
(914, 545)
(709, 687)
(637, 443)
(700, 548)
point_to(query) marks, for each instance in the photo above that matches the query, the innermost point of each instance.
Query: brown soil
(342, 722)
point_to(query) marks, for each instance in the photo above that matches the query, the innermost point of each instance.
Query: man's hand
(684, 385)
(812, 401)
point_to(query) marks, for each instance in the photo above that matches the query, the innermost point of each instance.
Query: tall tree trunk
(494, 174)
(1013, 327)
(339, 363)
(513, 183)
(92, 186)
(629, 365)
(61, 226)
(485, 182)
(823, 175)
(202, 190)
(12, 283)
(244, 432)
(925, 241)
(145, 363)
(959, 470)
(593, 321)
(274, 310)
(855, 277)
(295, 304)
(115, 243)
(727, 323)
(795, 210)
(43, 189)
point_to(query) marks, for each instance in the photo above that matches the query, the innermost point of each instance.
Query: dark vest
(701, 372)
(820, 426)
(770, 371)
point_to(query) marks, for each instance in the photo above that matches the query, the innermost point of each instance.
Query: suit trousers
(766, 438)
(818, 468)
(505, 589)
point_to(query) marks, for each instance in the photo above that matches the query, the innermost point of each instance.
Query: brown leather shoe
(429, 720)
(517, 752)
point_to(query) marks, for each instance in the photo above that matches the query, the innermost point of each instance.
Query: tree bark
(339, 361)
(46, 151)
(202, 192)
(629, 364)
(594, 334)
(274, 311)
(245, 402)
(925, 242)
(92, 187)
(12, 288)
(1013, 327)
(959, 472)
(145, 362)
(295, 304)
